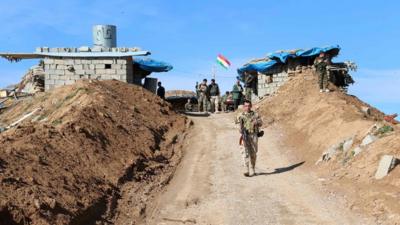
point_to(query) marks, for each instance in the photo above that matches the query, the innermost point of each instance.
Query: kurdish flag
(221, 60)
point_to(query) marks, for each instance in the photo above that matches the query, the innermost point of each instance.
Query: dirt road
(209, 186)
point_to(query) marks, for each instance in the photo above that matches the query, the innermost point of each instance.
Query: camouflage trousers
(323, 80)
(214, 103)
(202, 103)
(250, 151)
(248, 93)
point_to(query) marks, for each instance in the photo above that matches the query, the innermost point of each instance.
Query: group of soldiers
(209, 99)
(249, 121)
(208, 94)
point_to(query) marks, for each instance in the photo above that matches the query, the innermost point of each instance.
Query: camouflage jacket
(251, 122)
(321, 63)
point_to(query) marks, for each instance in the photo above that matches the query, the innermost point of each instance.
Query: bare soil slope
(94, 153)
(313, 121)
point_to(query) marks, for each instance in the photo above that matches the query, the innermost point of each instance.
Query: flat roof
(20, 56)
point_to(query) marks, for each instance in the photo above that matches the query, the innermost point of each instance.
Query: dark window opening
(108, 66)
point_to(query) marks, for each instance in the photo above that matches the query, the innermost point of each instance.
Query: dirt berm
(311, 122)
(94, 153)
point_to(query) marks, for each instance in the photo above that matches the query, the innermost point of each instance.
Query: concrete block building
(103, 61)
(276, 69)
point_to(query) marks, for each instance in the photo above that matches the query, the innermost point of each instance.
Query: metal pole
(213, 71)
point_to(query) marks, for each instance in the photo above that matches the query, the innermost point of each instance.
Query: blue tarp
(258, 66)
(281, 57)
(317, 51)
(151, 65)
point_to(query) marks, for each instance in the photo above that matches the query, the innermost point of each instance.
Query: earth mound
(329, 132)
(90, 153)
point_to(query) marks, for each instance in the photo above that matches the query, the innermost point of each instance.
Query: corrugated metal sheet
(20, 56)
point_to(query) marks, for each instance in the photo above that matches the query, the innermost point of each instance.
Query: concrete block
(69, 62)
(100, 66)
(121, 61)
(84, 49)
(79, 72)
(48, 61)
(101, 71)
(59, 61)
(60, 67)
(59, 72)
(68, 82)
(387, 163)
(368, 140)
(108, 61)
(77, 61)
(116, 66)
(111, 71)
(59, 82)
(78, 67)
(49, 81)
(121, 72)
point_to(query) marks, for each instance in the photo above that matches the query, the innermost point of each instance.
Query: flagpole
(213, 71)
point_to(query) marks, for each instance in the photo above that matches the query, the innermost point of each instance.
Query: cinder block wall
(64, 71)
(268, 84)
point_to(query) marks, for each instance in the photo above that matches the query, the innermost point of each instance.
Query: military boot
(254, 171)
(247, 172)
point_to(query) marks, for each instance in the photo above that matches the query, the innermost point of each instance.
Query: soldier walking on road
(250, 124)
(213, 89)
(203, 96)
(237, 92)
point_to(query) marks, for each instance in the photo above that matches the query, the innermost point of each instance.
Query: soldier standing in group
(203, 96)
(197, 90)
(160, 91)
(321, 63)
(213, 89)
(250, 123)
(249, 84)
(189, 106)
(224, 99)
(237, 94)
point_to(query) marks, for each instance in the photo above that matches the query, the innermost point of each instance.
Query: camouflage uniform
(250, 122)
(203, 97)
(189, 107)
(250, 80)
(320, 66)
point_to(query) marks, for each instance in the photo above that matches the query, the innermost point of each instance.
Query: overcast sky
(190, 34)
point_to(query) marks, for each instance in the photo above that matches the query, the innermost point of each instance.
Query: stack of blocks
(61, 71)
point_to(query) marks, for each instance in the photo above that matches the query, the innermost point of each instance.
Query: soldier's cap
(213, 80)
(205, 80)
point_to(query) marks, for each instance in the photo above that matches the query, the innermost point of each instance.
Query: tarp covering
(282, 57)
(316, 51)
(151, 65)
(259, 66)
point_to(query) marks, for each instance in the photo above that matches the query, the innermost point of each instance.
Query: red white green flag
(221, 60)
